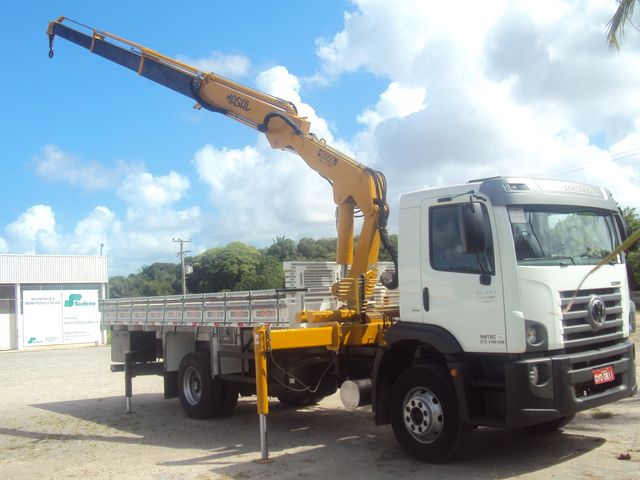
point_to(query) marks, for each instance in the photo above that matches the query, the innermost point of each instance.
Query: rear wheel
(229, 397)
(198, 394)
(425, 416)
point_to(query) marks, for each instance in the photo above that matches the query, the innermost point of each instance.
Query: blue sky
(94, 154)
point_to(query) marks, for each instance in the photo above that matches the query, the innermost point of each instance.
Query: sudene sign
(53, 317)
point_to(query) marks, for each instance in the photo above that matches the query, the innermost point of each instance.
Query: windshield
(561, 236)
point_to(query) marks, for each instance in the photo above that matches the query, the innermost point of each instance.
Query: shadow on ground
(303, 443)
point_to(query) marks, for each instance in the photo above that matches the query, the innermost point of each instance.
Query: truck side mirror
(472, 227)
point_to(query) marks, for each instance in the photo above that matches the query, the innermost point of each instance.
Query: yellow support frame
(331, 336)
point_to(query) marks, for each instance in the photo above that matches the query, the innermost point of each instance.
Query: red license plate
(603, 375)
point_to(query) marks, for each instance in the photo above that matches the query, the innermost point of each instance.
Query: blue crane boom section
(148, 67)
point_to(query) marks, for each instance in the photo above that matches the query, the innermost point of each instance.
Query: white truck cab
(527, 339)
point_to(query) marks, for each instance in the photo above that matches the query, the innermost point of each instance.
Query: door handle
(425, 298)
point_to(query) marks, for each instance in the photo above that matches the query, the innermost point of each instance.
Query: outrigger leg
(260, 353)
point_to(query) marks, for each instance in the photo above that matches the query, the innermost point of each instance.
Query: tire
(229, 397)
(200, 396)
(552, 426)
(424, 414)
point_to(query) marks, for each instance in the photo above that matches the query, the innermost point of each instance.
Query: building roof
(53, 269)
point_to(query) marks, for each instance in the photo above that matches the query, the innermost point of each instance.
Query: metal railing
(207, 309)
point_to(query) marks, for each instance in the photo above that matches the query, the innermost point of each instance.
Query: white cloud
(215, 166)
(396, 101)
(147, 237)
(258, 193)
(34, 231)
(166, 221)
(513, 88)
(277, 81)
(143, 237)
(55, 165)
(99, 226)
(143, 190)
(231, 65)
(393, 39)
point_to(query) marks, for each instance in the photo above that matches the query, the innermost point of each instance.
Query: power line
(580, 166)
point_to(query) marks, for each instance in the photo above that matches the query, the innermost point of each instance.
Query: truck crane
(489, 328)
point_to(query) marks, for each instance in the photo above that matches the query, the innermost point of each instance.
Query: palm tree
(623, 15)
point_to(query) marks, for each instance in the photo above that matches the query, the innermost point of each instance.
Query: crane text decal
(236, 101)
(326, 158)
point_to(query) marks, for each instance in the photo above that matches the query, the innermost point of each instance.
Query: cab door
(462, 286)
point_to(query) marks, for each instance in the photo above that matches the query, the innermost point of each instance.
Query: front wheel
(425, 416)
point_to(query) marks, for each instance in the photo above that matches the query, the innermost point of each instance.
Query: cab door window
(446, 252)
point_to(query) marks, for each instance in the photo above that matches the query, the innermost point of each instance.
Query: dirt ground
(62, 416)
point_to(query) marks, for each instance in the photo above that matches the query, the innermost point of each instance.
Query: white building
(50, 299)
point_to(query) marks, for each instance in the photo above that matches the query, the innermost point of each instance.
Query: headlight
(535, 334)
(539, 374)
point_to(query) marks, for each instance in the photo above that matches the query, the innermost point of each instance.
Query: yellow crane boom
(355, 187)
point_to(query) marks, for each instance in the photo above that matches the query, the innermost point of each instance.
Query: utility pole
(181, 254)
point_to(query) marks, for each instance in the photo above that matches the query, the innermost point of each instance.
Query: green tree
(119, 287)
(225, 268)
(155, 279)
(621, 17)
(316, 250)
(269, 274)
(632, 219)
(328, 245)
(236, 266)
(283, 249)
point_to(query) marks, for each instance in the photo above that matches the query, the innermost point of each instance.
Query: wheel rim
(192, 386)
(422, 415)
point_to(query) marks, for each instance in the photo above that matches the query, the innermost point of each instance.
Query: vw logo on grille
(597, 313)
